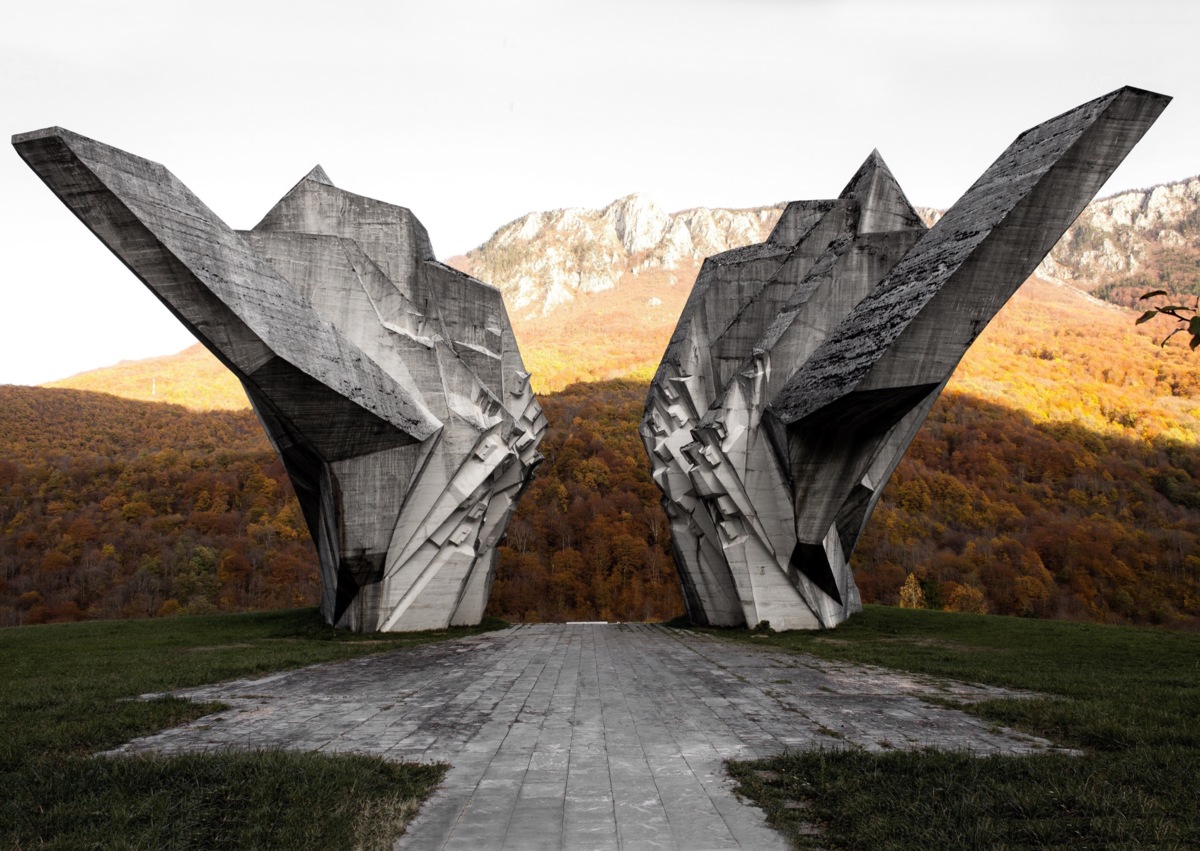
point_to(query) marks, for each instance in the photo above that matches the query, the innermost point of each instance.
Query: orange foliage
(620, 333)
(113, 508)
(589, 540)
(193, 378)
(1059, 475)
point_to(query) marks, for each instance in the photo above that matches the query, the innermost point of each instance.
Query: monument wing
(389, 384)
(801, 369)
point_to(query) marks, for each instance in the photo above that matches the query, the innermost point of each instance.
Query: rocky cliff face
(544, 260)
(1127, 234)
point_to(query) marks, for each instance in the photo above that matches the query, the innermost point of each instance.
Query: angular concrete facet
(802, 368)
(390, 385)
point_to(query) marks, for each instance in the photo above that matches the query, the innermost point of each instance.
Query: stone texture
(802, 367)
(589, 736)
(389, 384)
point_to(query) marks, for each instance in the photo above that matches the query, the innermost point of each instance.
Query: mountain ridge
(543, 260)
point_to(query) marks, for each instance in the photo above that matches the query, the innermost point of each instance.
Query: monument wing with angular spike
(802, 368)
(389, 384)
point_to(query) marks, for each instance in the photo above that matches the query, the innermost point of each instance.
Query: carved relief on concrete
(389, 384)
(802, 368)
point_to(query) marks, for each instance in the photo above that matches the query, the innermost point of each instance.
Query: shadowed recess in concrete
(589, 737)
(389, 384)
(802, 368)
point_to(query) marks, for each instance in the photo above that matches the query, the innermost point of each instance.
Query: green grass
(70, 690)
(1128, 697)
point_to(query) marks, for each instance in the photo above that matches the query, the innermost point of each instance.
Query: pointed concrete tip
(874, 161)
(870, 167)
(318, 174)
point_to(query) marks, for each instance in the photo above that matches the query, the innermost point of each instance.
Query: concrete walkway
(584, 736)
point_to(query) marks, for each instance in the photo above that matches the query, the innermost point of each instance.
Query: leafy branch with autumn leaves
(1188, 318)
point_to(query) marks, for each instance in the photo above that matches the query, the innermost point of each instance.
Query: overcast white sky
(474, 113)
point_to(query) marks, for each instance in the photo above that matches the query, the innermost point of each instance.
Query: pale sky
(474, 113)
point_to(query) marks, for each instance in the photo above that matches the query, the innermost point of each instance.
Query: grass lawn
(1129, 697)
(67, 693)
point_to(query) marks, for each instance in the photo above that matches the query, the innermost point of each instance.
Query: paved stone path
(586, 736)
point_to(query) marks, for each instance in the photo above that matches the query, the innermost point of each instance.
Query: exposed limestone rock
(543, 260)
(638, 222)
(1114, 234)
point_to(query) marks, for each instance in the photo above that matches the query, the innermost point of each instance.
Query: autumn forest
(1058, 476)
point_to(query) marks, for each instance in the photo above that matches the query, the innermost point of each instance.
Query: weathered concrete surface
(802, 368)
(584, 736)
(390, 385)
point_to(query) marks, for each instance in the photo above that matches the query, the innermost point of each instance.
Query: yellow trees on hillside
(911, 595)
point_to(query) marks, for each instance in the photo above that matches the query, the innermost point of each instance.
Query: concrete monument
(801, 368)
(389, 384)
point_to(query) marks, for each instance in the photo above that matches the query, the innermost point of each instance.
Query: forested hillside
(192, 378)
(115, 508)
(1059, 475)
(589, 540)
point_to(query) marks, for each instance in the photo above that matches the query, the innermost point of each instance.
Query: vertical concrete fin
(337, 359)
(819, 382)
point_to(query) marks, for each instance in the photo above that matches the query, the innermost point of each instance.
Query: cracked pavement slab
(588, 736)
